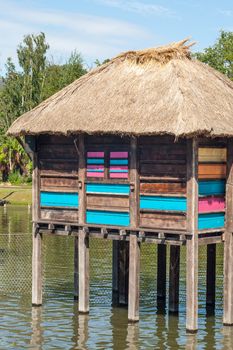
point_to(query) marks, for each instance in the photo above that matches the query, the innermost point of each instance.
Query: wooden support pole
(81, 177)
(123, 273)
(211, 275)
(76, 268)
(115, 268)
(134, 278)
(134, 184)
(161, 273)
(192, 241)
(228, 243)
(174, 279)
(83, 262)
(36, 237)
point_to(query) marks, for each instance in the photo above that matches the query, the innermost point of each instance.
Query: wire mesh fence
(58, 261)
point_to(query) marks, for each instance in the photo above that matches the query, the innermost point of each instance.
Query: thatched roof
(155, 91)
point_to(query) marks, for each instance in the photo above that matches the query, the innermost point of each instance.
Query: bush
(15, 178)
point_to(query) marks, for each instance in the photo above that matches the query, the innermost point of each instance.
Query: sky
(101, 29)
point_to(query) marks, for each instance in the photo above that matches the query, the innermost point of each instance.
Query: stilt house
(139, 149)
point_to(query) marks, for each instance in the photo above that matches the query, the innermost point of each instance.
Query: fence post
(134, 278)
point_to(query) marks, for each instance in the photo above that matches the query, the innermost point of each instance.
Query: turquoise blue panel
(95, 170)
(163, 203)
(118, 171)
(119, 161)
(100, 217)
(108, 188)
(57, 199)
(212, 220)
(95, 161)
(211, 187)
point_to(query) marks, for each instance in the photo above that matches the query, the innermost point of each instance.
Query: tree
(220, 55)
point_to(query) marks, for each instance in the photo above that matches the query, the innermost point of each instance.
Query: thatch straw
(154, 91)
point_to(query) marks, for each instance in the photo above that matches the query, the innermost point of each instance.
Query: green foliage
(220, 55)
(22, 90)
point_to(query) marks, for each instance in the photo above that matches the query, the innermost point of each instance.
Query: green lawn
(16, 194)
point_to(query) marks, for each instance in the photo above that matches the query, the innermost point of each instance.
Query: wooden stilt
(36, 269)
(161, 273)
(211, 275)
(75, 268)
(83, 262)
(36, 238)
(192, 241)
(174, 279)
(115, 267)
(228, 244)
(134, 278)
(123, 272)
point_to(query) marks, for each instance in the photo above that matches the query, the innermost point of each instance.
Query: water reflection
(37, 339)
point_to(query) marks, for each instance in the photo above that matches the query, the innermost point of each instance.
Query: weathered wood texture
(211, 275)
(82, 174)
(123, 272)
(60, 215)
(174, 279)
(161, 273)
(134, 278)
(36, 238)
(163, 187)
(110, 202)
(163, 220)
(192, 242)
(75, 267)
(228, 244)
(134, 184)
(212, 171)
(83, 265)
(213, 155)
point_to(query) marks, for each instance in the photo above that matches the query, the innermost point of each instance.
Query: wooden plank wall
(58, 166)
(107, 180)
(162, 171)
(212, 155)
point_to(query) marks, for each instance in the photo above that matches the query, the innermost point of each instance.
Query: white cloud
(94, 36)
(228, 13)
(139, 7)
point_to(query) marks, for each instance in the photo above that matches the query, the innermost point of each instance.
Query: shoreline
(16, 194)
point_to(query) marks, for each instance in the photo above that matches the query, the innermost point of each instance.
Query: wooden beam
(123, 272)
(228, 243)
(36, 237)
(115, 268)
(134, 278)
(76, 268)
(174, 279)
(134, 184)
(82, 174)
(211, 275)
(83, 262)
(161, 273)
(192, 241)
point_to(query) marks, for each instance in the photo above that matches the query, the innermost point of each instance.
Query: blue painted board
(119, 161)
(95, 161)
(108, 188)
(211, 221)
(58, 199)
(100, 217)
(211, 187)
(163, 203)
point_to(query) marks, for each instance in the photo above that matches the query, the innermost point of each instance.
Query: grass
(16, 194)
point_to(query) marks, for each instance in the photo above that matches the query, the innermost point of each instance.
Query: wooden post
(210, 275)
(123, 272)
(161, 274)
(134, 278)
(134, 184)
(174, 279)
(192, 241)
(83, 262)
(36, 237)
(81, 176)
(76, 268)
(228, 243)
(115, 268)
